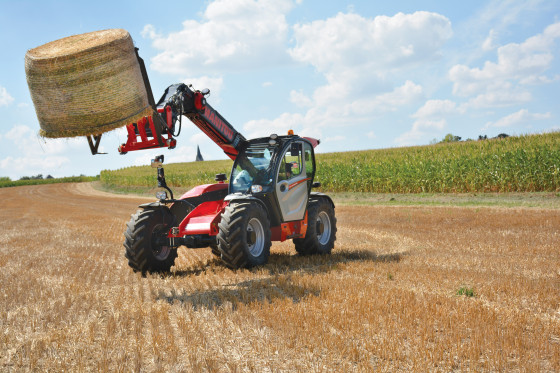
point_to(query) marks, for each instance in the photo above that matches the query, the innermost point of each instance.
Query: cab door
(292, 183)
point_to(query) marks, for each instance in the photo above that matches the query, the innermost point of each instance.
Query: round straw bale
(86, 84)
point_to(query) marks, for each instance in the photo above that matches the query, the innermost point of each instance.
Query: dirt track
(385, 300)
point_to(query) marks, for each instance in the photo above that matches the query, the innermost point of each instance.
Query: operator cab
(279, 171)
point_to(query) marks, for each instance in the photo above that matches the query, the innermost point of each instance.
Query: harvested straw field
(406, 289)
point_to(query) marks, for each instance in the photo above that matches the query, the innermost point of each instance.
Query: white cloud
(520, 117)
(280, 125)
(267, 84)
(432, 116)
(300, 99)
(500, 98)
(420, 129)
(32, 165)
(32, 145)
(215, 84)
(483, 29)
(406, 94)
(234, 35)
(335, 138)
(38, 154)
(434, 108)
(358, 56)
(489, 42)
(5, 98)
(383, 43)
(504, 13)
(149, 31)
(517, 63)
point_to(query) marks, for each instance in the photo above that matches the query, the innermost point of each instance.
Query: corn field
(516, 164)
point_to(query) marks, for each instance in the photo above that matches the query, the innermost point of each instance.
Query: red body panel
(289, 230)
(203, 219)
(201, 189)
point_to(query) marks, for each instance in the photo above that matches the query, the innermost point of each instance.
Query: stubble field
(407, 288)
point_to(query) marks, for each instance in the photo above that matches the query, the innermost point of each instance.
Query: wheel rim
(323, 228)
(159, 252)
(255, 237)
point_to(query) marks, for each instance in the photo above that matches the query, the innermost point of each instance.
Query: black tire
(142, 253)
(321, 229)
(244, 236)
(217, 253)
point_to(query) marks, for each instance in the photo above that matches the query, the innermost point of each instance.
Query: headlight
(256, 188)
(161, 194)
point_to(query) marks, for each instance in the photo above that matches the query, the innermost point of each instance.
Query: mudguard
(322, 195)
(152, 205)
(243, 197)
(158, 206)
(199, 190)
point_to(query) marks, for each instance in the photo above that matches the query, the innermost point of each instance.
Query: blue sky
(356, 74)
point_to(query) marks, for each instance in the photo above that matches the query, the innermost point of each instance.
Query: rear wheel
(244, 236)
(321, 229)
(143, 236)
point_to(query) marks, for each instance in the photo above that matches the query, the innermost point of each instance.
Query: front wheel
(215, 251)
(321, 229)
(244, 236)
(144, 233)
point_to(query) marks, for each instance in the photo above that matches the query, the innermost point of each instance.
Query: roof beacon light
(290, 132)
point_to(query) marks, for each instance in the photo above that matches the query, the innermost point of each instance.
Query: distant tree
(49, 177)
(38, 177)
(25, 178)
(451, 138)
(482, 137)
(502, 136)
(5, 178)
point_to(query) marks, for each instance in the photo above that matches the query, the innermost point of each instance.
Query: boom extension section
(159, 130)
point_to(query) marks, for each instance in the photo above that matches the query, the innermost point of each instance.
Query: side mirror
(157, 162)
(205, 91)
(316, 184)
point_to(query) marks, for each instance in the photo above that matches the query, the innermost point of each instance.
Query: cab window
(291, 165)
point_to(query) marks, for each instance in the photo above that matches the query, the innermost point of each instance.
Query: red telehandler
(269, 197)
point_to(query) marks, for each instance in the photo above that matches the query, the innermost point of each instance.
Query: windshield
(252, 167)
